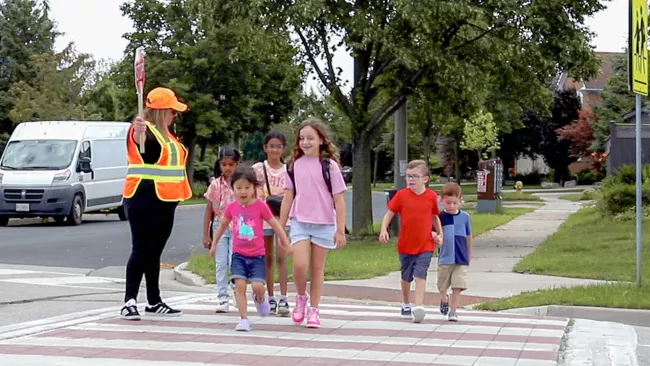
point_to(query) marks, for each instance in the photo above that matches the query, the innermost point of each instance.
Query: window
(84, 152)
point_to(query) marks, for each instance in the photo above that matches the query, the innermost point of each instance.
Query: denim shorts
(248, 268)
(415, 266)
(270, 232)
(319, 234)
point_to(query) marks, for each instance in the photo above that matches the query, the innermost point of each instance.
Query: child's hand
(285, 246)
(207, 242)
(213, 250)
(438, 240)
(340, 240)
(383, 236)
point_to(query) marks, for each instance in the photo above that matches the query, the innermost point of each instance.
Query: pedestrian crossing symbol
(638, 48)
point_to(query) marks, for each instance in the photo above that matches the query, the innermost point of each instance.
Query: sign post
(138, 66)
(638, 66)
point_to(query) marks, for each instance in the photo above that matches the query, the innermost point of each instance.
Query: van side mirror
(84, 165)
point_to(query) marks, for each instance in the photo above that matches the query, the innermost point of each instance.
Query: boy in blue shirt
(455, 251)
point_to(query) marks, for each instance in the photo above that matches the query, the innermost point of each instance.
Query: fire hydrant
(519, 187)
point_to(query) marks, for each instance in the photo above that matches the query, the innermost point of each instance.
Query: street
(104, 241)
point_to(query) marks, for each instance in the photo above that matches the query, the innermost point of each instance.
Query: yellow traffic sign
(638, 48)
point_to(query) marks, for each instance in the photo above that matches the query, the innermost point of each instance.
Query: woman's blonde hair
(157, 117)
(326, 151)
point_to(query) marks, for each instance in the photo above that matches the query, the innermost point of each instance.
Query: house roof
(632, 115)
(598, 83)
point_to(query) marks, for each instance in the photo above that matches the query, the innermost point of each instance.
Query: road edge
(186, 277)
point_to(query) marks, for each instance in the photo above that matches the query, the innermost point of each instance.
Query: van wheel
(121, 213)
(76, 212)
(4, 220)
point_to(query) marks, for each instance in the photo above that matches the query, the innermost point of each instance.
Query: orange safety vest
(168, 173)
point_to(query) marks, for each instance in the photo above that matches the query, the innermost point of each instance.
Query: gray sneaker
(406, 312)
(453, 317)
(283, 307)
(418, 314)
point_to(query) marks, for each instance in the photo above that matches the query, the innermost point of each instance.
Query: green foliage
(588, 194)
(25, 31)
(617, 195)
(587, 176)
(203, 170)
(57, 92)
(480, 134)
(199, 189)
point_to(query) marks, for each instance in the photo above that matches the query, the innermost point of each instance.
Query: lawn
(194, 201)
(508, 196)
(575, 197)
(586, 246)
(365, 258)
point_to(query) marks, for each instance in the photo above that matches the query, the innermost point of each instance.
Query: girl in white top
(271, 174)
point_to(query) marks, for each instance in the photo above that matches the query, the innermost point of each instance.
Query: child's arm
(282, 235)
(383, 233)
(339, 205)
(222, 229)
(470, 238)
(207, 218)
(438, 226)
(287, 201)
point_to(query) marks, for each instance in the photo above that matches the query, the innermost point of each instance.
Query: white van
(63, 170)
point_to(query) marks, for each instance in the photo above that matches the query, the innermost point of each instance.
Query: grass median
(590, 246)
(365, 258)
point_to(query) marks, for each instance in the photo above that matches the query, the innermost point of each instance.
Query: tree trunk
(374, 168)
(361, 192)
(204, 147)
(457, 161)
(191, 147)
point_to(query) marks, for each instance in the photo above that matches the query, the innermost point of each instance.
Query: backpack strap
(293, 181)
(325, 167)
(266, 177)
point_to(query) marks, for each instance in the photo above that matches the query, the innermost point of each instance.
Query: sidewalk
(495, 254)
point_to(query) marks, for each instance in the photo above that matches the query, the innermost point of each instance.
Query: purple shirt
(314, 204)
(247, 227)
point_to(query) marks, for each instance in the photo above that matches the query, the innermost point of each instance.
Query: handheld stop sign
(139, 88)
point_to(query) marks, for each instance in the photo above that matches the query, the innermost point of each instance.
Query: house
(589, 92)
(621, 142)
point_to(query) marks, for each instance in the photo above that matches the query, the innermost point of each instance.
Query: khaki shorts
(452, 276)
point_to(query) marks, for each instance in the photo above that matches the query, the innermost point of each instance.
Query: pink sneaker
(299, 311)
(313, 318)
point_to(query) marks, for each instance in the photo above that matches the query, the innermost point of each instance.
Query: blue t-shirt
(455, 229)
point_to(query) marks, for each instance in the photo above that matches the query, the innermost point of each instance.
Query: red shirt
(416, 216)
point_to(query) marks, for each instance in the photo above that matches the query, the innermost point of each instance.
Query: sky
(97, 26)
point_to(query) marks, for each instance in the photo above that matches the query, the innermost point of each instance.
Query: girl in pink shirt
(317, 216)
(270, 173)
(219, 196)
(247, 215)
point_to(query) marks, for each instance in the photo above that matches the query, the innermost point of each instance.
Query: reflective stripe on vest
(174, 172)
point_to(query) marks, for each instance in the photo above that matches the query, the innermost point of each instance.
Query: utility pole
(401, 156)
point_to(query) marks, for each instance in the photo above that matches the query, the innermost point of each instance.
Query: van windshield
(38, 154)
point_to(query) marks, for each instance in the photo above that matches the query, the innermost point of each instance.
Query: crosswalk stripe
(466, 316)
(350, 335)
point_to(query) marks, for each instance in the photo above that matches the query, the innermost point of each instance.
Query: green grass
(587, 245)
(575, 197)
(364, 258)
(194, 201)
(507, 197)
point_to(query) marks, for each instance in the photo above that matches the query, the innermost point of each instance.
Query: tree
(556, 152)
(580, 133)
(480, 134)
(57, 91)
(395, 44)
(236, 77)
(25, 31)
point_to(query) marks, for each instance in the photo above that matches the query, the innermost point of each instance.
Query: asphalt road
(104, 241)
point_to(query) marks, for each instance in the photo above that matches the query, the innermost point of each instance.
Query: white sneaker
(223, 306)
(418, 314)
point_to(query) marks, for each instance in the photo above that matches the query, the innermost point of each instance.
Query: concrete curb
(592, 342)
(43, 325)
(182, 275)
(636, 317)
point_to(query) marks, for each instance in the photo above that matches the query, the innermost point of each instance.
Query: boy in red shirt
(418, 209)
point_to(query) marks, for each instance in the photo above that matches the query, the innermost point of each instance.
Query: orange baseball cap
(164, 98)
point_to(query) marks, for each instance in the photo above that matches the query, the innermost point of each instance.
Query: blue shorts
(319, 234)
(415, 266)
(248, 268)
(270, 232)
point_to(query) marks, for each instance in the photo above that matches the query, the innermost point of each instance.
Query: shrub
(199, 189)
(588, 194)
(587, 176)
(529, 179)
(617, 198)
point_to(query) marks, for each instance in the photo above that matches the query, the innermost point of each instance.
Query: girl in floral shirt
(219, 196)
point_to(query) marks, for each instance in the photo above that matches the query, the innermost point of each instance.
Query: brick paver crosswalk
(352, 333)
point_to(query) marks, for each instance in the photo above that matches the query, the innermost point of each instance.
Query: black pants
(151, 222)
